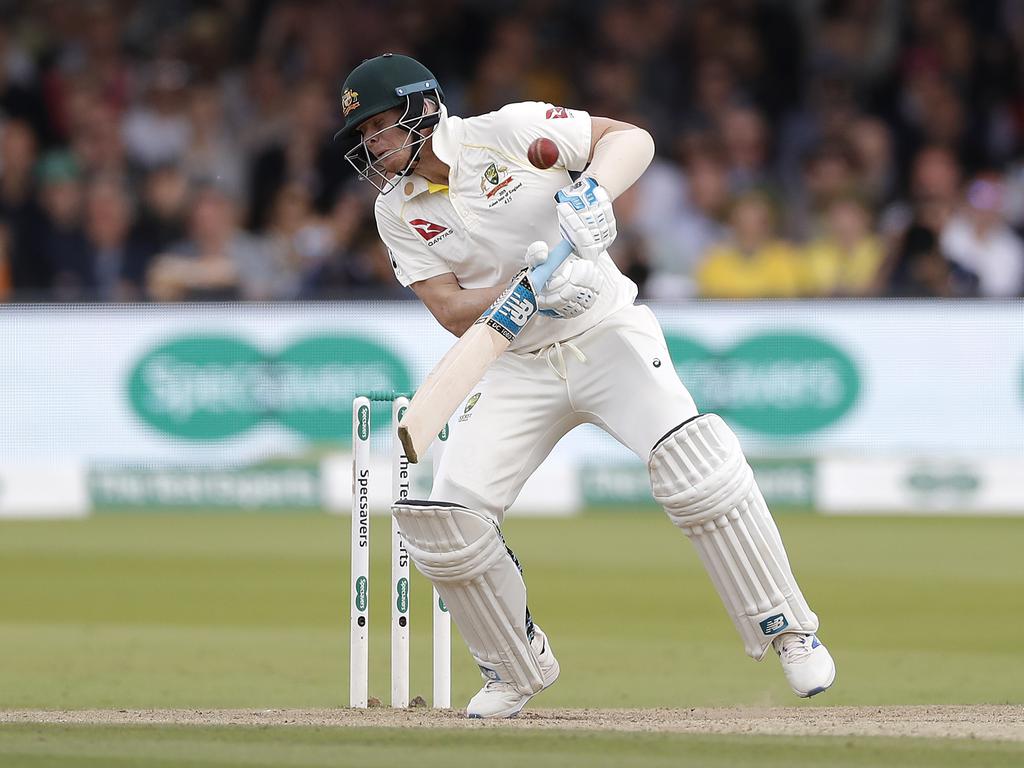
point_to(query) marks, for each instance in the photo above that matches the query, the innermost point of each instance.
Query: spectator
(715, 91)
(211, 155)
(678, 246)
(512, 70)
(116, 270)
(157, 131)
(218, 262)
(257, 107)
(64, 247)
(753, 262)
(892, 101)
(97, 142)
(745, 137)
(846, 259)
(871, 142)
(95, 55)
(342, 267)
(829, 172)
(161, 222)
(917, 269)
(20, 97)
(934, 192)
(822, 119)
(979, 240)
(30, 274)
(301, 240)
(630, 255)
(309, 155)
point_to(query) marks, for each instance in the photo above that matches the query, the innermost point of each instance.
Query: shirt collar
(445, 140)
(447, 136)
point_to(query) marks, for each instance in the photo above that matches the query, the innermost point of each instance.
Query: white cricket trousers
(618, 375)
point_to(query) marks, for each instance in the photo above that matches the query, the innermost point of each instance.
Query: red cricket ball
(543, 153)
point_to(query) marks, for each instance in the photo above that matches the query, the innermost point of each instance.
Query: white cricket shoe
(498, 699)
(806, 662)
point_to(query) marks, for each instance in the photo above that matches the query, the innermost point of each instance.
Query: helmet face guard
(369, 166)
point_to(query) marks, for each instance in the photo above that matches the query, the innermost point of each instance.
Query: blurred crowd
(182, 150)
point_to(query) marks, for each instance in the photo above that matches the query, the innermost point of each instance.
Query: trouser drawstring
(559, 357)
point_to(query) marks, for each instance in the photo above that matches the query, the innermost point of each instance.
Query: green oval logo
(402, 590)
(214, 387)
(443, 434)
(441, 605)
(361, 585)
(363, 422)
(777, 384)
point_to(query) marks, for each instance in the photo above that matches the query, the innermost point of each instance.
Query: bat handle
(542, 272)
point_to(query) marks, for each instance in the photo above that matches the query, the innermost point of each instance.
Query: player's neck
(430, 168)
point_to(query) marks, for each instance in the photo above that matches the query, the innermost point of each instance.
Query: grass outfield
(252, 611)
(176, 747)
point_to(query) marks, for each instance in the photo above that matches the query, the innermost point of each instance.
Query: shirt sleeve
(517, 125)
(411, 260)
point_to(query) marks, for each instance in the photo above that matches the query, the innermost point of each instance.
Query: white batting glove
(585, 217)
(573, 287)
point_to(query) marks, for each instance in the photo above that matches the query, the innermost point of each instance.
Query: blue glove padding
(585, 217)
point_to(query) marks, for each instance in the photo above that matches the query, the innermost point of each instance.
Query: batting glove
(573, 287)
(585, 217)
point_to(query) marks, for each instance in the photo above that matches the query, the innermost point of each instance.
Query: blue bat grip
(542, 272)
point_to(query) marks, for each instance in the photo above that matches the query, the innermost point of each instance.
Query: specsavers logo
(213, 387)
(934, 478)
(349, 101)
(498, 185)
(779, 384)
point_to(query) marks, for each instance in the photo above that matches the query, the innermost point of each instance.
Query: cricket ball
(542, 153)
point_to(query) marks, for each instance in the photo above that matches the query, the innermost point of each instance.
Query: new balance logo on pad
(774, 624)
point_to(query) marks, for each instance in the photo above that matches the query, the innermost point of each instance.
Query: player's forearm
(461, 308)
(620, 157)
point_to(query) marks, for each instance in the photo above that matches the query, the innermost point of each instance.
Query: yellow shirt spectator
(773, 269)
(836, 270)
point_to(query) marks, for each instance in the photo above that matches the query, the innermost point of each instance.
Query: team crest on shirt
(432, 233)
(349, 101)
(557, 112)
(498, 185)
(469, 407)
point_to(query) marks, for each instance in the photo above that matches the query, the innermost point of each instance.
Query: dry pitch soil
(989, 722)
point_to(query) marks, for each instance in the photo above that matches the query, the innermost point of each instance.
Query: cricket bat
(465, 363)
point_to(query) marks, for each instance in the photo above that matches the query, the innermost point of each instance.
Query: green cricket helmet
(375, 86)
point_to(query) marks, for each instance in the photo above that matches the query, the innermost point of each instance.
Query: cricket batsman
(463, 212)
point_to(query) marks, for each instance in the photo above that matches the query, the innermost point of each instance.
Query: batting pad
(700, 477)
(463, 554)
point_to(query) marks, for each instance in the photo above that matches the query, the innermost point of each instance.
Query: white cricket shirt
(495, 205)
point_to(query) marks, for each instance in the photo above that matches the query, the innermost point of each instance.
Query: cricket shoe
(499, 699)
(807, 664)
